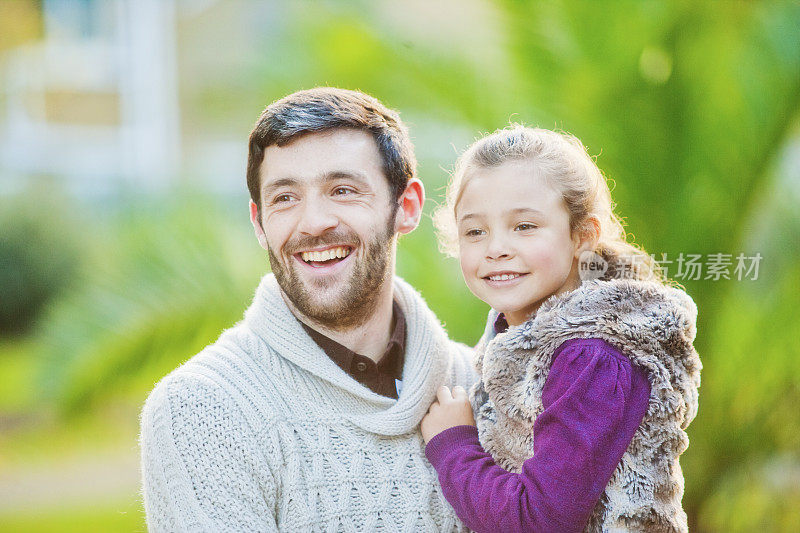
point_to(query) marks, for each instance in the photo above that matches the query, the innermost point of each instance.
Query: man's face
(328, 218)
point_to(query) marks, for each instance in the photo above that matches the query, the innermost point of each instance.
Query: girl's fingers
(443, 394)
(459, 393)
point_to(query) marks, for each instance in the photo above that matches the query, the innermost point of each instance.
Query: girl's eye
(525, 226)
(473, 232)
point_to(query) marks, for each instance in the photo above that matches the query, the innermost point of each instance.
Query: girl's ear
(587, 236)
(411, 202)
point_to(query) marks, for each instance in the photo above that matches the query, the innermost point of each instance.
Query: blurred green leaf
(165, 279)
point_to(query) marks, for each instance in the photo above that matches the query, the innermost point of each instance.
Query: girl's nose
(498, 249)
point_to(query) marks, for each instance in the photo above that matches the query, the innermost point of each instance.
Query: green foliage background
(692, 109)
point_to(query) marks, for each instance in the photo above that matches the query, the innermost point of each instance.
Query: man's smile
(324, 257)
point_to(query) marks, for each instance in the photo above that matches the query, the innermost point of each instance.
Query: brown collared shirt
(378, 377)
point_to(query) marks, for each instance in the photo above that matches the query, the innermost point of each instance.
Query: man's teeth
(325, 255)
(503, 277)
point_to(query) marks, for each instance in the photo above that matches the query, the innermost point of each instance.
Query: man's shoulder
(204, 416)
(218, 374)
(463, 371)
(231, 350)
(459, 350)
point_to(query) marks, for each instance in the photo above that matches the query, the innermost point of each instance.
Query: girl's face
(514, 240)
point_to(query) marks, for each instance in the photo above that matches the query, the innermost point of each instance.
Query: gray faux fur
(654, 325)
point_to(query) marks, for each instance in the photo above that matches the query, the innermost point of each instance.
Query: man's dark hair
(328, 108)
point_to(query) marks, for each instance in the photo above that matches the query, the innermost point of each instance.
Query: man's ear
(587, 236)
(411, 202)
(254, 219)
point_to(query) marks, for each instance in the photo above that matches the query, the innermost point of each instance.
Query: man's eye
(339, 191)
(525, 226)
(282, 198)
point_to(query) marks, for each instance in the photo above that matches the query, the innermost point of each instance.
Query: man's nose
(317, 217)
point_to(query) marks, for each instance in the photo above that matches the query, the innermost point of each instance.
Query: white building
(94, 103)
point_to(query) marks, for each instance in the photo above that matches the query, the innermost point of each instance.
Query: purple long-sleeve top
(594, 400)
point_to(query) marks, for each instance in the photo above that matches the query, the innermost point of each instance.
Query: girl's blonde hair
(563, 161)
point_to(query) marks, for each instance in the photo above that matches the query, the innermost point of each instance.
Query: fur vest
(653, 325)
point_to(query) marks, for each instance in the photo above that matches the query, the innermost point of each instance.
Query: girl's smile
(504, 279)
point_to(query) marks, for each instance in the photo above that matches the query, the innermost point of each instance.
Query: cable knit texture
(654, 326)
(261, 431)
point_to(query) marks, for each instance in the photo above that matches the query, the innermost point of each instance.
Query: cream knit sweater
(261, 431)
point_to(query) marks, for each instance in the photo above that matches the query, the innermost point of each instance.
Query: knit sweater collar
(427, 358)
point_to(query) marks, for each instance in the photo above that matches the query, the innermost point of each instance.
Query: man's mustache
(327, 239)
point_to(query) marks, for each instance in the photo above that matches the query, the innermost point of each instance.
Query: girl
(588, 376)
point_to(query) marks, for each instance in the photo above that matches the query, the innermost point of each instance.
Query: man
(305, 415)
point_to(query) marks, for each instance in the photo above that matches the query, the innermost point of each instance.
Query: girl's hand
(449, 410)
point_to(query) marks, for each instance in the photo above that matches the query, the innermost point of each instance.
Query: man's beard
(359, 297)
